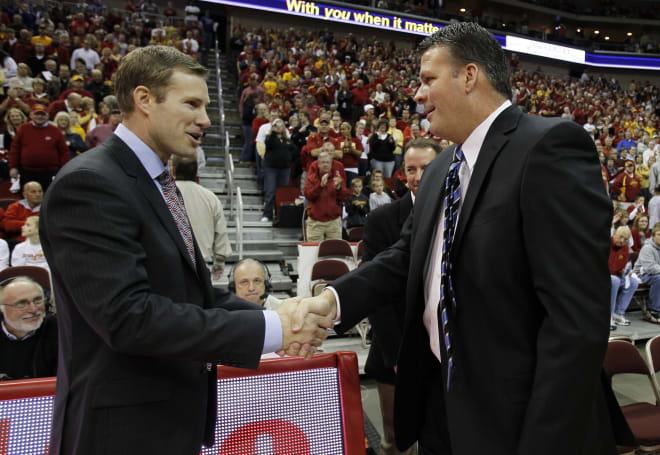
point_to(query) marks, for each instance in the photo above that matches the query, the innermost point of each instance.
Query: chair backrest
(335, 247)
(653, 356)
(38, 274)
(285, 195)
(355, 233)
(360, 250)
(328, 269)
(623, 357)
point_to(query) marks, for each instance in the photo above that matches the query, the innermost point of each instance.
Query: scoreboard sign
(287, 406)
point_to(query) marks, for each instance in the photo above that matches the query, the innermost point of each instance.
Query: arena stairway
(273, 246)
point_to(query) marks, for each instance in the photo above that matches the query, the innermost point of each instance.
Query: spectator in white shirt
(29, 252)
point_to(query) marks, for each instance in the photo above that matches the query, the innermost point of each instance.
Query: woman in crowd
(352, 150)
(381, 149)
(73, 140)
(277, 164)
(13, 119)
(640, 231)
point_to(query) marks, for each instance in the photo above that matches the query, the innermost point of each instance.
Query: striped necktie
(447, 297)
(174, 202)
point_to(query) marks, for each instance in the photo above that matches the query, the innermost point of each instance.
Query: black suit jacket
(382, 230)
(138, 321)
(532, 291)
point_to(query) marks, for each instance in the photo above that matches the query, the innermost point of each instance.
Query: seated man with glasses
(28, 333)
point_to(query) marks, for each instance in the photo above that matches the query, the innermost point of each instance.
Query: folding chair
(643, 418)
(653, 356)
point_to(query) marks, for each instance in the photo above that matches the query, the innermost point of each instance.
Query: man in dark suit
(511, 227)
(382, 230)
(141, 328)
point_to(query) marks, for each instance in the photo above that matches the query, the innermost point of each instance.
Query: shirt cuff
(273, 332)
(334, 292)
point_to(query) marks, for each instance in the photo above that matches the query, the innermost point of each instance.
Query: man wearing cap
(99, 134)
(38, 150)
(626, 185)
(77, 86)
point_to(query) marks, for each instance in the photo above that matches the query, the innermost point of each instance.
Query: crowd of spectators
(354, 98)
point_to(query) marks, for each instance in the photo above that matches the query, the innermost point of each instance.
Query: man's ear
(471, 73)
(143, 99)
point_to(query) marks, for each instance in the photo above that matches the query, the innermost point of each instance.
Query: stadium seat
(38, 274)
(653, 356)
(355, 234)
(337, 249)
(328, 269)
(643, 418)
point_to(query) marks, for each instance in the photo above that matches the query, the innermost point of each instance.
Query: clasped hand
(305, 322)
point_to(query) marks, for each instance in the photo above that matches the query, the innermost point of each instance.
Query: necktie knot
(165, 179)
(458, 155)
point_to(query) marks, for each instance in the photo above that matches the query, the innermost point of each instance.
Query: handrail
(239, 222)
(229, 171)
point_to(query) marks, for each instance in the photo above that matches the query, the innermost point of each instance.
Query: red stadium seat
(38, 274)
(329, 269)
(355, 233)
(643, 418)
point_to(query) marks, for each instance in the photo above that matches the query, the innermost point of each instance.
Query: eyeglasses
(22, 304)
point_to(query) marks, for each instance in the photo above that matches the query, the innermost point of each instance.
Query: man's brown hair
(151, 66)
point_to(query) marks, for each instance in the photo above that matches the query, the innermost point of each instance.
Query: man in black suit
(141, 328)
(509, 361)
(382, 230)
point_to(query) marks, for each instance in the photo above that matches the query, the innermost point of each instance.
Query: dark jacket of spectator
(357, 208)
(279, 154)
(381, 149)
(34, 357)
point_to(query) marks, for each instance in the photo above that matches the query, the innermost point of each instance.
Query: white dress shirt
(470, 148)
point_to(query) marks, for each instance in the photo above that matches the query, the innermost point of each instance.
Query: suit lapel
(494, 141)
(145, 184)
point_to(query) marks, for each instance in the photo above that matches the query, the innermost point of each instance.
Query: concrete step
(253, 233)
(247, 185)
(250, 196)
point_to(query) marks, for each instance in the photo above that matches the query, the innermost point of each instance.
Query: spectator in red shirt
(38, 150)
(626, 185)
(640, 231)
(325, 190)
(18, 212)
(624, 284)
(351, 148)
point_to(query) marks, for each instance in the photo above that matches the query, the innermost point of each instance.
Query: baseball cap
(38, 107)
(629, 162)
(77, 77)
(324, 120)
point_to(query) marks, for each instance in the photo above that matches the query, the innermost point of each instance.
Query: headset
(267, 278)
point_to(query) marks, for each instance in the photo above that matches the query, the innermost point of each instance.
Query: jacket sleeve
(13, 221)
(313, 186)
(647, 262)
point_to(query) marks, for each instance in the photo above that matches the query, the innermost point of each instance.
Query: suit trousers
(434, 435)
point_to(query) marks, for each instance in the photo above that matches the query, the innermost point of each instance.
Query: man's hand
(323, 305)
(337, 181)
(310, 331)
(324, 180)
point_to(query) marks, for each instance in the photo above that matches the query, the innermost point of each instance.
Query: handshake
(305, 323)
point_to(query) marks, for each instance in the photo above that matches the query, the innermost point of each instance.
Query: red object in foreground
(313, 405)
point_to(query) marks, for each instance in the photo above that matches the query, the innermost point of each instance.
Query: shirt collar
(147, 157)
(475, 140)
(13, 337)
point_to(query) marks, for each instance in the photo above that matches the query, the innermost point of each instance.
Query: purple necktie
(177, 209)
(447, 296)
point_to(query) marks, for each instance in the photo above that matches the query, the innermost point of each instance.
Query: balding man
(250, 280)
(70, 104)
(18, 212)
(28, 335)
(325, 190)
